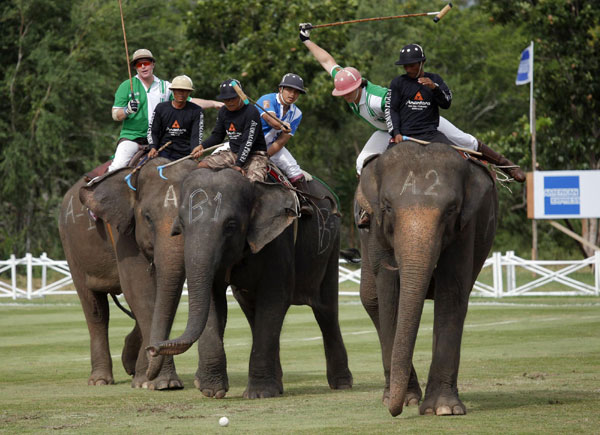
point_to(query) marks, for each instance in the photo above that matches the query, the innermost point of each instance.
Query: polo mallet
(424, 142)
(139, 166)
(245, 99)
(161, 167)
(126, 50)
(438, 16)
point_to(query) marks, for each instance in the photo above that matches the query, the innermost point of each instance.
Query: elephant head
(141, 221)
(426, 201)
(223, 217)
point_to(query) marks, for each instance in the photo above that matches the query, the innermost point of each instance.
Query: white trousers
(125, 151)
(283, 159)
(378, 142)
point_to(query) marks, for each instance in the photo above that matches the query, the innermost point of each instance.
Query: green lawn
(529, 365)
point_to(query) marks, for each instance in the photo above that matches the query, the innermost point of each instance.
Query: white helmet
(183, 83)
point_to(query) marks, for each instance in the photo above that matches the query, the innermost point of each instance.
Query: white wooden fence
(503, 267)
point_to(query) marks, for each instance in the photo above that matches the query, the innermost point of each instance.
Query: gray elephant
(433, 223)
(239, 232)
(135, 254)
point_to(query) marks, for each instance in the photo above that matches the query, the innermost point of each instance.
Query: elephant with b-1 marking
(242, 233)
(128, 250)
(433, 221)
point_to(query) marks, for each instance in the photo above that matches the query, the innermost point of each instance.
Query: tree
(567, 59)
(60, 63)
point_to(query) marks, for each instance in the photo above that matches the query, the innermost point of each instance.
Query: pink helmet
(346, 81)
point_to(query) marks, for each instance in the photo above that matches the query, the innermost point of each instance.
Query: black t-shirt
(412, 108)
(243, 130)
(183, 127)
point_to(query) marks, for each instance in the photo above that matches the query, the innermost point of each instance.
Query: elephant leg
(139, 289)
(211, 376)
(265, 373)
(450, 310)
(131, 349)
(339, 376)
(95, 309)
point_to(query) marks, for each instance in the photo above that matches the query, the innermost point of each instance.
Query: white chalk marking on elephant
(217, 199)
(324, 232)
(429, 191)
(194, 207)
(91, 222)
(410, 181)
(70, 210)
(170, 197)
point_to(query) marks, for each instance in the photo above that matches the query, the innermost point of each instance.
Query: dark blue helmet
(226, 90)
(293, 81)
(411, 53)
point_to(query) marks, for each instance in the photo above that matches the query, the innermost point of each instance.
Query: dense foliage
(61, 61)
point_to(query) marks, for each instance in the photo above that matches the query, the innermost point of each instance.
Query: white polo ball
(223, 421)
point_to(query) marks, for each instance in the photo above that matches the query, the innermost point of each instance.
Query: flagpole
(532, 129)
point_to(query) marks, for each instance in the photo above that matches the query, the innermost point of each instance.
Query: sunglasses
(143, 64)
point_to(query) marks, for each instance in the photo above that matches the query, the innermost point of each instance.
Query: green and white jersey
(371, 107)
(136, 125)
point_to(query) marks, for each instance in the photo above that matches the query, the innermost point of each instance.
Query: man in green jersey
(136, 110)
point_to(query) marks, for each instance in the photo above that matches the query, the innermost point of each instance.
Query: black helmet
(411, 53)
(226, 90)
(293, 81)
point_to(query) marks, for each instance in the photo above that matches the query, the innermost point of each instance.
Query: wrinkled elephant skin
(433, 224)
(240, 233)
(135, 255)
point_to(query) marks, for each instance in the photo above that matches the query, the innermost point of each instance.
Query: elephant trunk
(200, 277)
(170, 275)
(417, 246)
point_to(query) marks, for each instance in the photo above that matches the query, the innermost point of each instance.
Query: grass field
(529, 365)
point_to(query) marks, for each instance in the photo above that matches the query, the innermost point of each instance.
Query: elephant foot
(263, 389)
(161, 382)
(442, 404)
(217, 392)
(413, 394)
(341, 382)
(101, 379)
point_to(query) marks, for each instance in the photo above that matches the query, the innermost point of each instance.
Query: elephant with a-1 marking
(134, 254)
(240, 233)
(432, 226)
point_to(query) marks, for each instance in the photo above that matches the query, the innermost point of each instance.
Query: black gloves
(305, 31)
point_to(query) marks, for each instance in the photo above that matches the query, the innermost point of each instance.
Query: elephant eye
(231, 227)
(148, 218)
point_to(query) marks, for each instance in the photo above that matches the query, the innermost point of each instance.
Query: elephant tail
(121, 307)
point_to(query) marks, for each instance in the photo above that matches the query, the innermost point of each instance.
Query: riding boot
(499, 160)
(301, 185)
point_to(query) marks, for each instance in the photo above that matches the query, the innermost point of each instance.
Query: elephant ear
(478, 188)
(273, 211)
(111, 200)
(367, 192)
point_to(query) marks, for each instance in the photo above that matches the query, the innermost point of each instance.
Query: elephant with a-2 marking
(241, 233)
(432, 226)
(133, 254)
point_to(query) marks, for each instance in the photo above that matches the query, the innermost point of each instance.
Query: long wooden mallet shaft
(245, 99)
(160, 168)
(138, 167)
(126, 49)
(438, 17)
(424, 142)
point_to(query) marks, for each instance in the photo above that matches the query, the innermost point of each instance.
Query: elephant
(433, 221)
(239, 232)
(133, 254)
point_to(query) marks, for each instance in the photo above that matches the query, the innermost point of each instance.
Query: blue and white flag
(525, 73)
